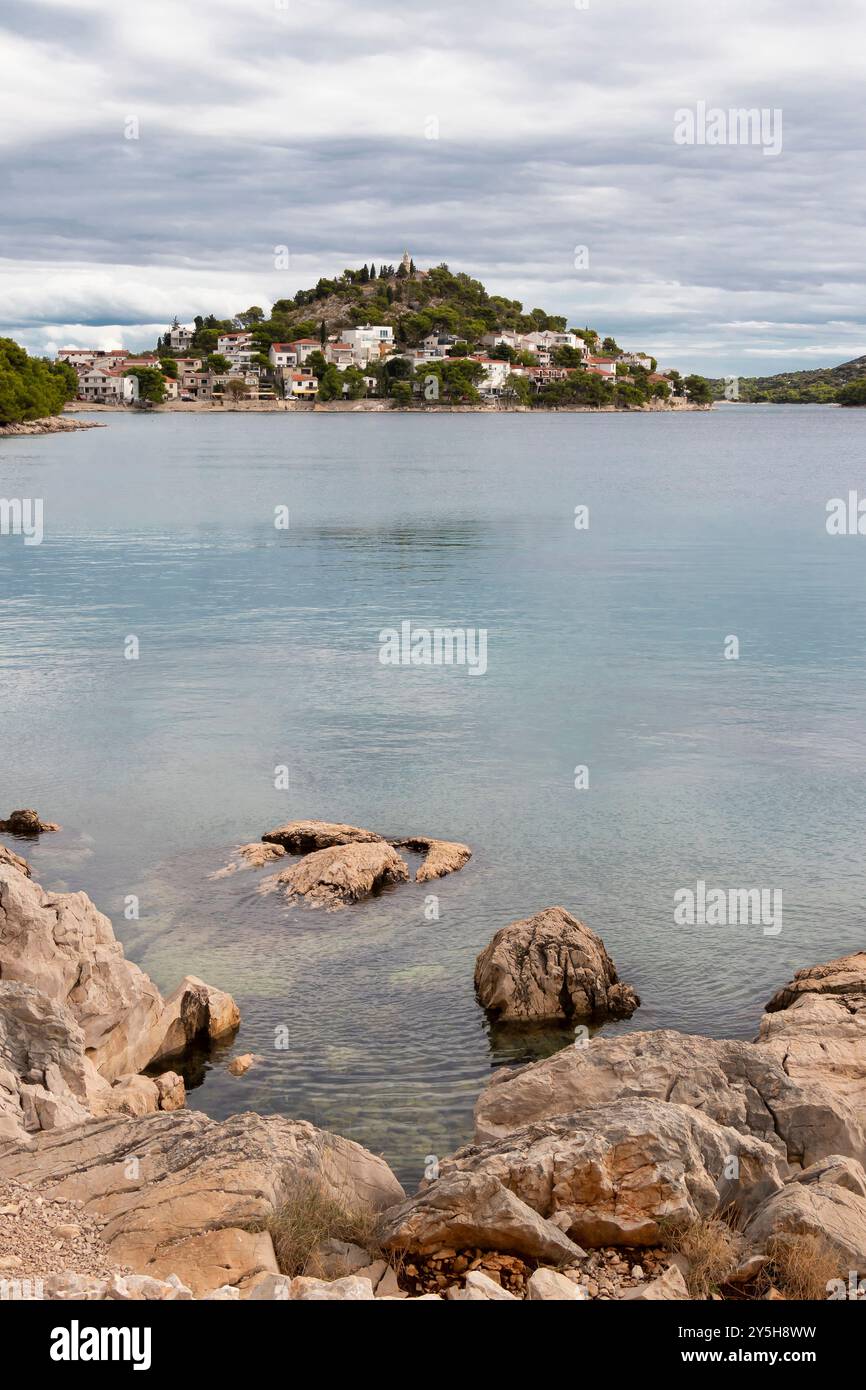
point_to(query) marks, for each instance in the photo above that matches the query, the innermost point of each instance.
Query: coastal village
(504, 366)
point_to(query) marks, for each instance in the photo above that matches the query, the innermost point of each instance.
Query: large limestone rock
(333, 878)
(61, 946)
(304, 836)
(753, 1088)
(618, 1174)
(463, 1209)
(846, 975)
(441, 857)
(820, 1039)
(827, 1202)
(179, 1192)
(194, 1010)
(47, 1081)
(551, 966)
(45, 1078)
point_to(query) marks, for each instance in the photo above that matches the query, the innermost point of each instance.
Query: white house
(180, 336)
(438, 343)
(601, 366)
(496, 373)
(302, 384)
(370, 341)
(108, 385)
(282, 355)
(303, 348)
(342, 355)
(550, 340)
(229, 344)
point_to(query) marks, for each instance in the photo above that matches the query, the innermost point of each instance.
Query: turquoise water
(259, 648)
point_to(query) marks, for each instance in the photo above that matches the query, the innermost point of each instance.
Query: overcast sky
(308, 124)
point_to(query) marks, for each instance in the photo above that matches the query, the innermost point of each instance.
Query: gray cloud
(306, 127)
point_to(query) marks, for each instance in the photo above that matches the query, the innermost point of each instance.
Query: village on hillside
(366, 361)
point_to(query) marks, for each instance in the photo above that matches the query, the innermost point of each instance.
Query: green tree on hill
(151, 384)
(330, 384)
(853, 394)
(698, 390)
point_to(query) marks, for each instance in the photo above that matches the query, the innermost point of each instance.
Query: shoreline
(370, 407)
(50, 424)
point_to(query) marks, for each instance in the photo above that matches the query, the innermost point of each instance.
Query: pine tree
(323, 333)
(372, 271)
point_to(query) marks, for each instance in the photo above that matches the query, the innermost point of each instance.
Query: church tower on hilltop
(406, 262)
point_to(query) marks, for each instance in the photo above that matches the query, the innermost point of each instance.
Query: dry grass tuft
(803, 1265)
(307, 1216)
(712, 1248)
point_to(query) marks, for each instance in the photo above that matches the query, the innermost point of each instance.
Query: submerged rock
(25, 823)
(254, 856)
(343, 874)
(441, 857)
(305, 836)
(551, 966)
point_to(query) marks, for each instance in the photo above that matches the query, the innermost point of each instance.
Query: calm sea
(259, 649)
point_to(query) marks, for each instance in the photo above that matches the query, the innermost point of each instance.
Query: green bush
(32, 387)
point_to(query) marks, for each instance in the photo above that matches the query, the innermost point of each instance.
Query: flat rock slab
(179, 1192)
(550, 966)
(333, 878)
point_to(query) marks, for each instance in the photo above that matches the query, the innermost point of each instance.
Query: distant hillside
(817, 384)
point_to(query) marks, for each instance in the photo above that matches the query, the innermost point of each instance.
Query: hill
(414, 303)
(817, 385)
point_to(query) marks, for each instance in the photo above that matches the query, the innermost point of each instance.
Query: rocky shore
(51, 424)
(299, 407)
(653, 1166)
